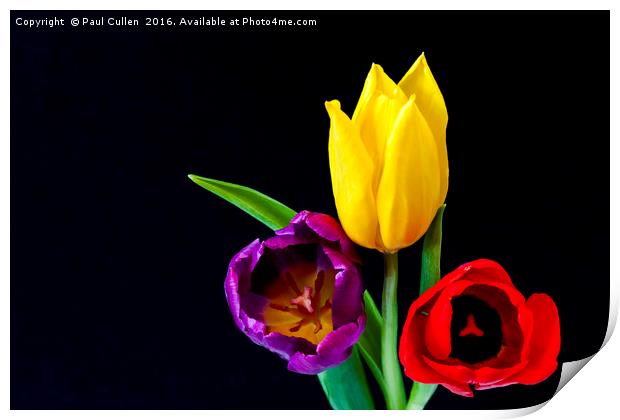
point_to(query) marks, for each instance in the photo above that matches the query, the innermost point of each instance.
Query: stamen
(304, 299)
(307, 308)
(318, 285)
(471, 328)
(280, 307)
(317, 326)
(297, 326)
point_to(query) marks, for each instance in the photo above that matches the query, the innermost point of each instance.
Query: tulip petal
(545, 341)
(408, 195)
(238, 280)
(485, 270)
(346, 284)
(334, 349)
(377, 82)
(309, 227)
(459, 373)
(376, 112)
(419, 81)
(411, 353)
(352, 170)
(329, 229)
(437, 336)
(285, 346)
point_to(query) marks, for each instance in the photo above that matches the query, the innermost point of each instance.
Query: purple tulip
(299, 293)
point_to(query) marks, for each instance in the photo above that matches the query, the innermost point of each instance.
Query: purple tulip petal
(333, 350)
(315, 227)
(345, 309)
(286, 346)
(238, 279)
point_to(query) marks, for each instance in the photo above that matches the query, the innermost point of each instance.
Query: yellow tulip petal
(380, 102)
(377, 82)
(419, 81)
(409, 190)
(352, 170)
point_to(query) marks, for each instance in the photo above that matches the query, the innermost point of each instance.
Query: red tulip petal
(437, 335)
(456, 377)
(434, 291)
(515, 297)
(526, 321)
(488, 377)
(545, 341)
(505, 376)
(463, 390)
(458, 371)
(485, 270)
(412, 347)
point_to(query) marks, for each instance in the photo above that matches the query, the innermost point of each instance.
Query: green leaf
(370, 341)
(431, 253)
(345, 385)
(431, 273)
(263, 208)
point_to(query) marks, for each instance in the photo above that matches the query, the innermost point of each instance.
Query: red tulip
(474, 330)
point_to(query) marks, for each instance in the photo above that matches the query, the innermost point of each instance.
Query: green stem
(420, 394)
(431, 261)
(389, 337)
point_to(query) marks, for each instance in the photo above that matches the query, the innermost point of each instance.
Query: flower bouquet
(300, 293)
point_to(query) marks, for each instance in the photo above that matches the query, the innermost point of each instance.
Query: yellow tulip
(389, 163)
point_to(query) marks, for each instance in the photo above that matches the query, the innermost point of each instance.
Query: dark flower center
(298, 293)
(475, 331)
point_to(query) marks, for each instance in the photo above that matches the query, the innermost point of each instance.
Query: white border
(594, 393)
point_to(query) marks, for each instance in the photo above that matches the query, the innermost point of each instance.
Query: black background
(118, 259)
